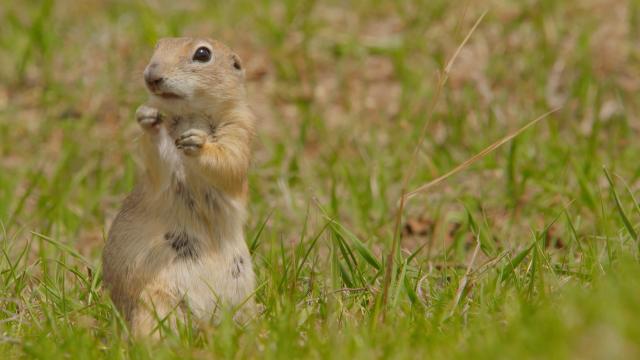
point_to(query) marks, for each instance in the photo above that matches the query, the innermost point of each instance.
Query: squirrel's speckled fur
(177, 244)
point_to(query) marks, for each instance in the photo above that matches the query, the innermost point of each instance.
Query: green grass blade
(623, 215)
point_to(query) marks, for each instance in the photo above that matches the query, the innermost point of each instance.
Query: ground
(530, 252)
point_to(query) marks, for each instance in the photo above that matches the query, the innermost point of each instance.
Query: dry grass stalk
(441, 82)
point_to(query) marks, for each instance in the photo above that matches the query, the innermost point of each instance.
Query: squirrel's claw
(149, 118)
(191, 141)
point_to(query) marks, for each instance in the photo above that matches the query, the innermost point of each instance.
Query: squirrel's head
(194, 75)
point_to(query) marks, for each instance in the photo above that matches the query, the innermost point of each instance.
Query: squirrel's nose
(152, 77)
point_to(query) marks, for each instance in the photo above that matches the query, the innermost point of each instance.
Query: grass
(532, 251)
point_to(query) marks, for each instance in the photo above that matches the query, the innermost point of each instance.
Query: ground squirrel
(178, 245)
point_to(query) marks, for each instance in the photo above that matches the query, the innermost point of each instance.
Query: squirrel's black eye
(203, 54)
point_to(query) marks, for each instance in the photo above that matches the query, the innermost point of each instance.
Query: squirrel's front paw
(191, 141)
(149, 118)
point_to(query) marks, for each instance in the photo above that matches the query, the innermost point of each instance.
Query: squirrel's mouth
(168, 95)
(162, 92)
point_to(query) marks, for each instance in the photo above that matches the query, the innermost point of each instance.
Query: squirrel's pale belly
(185, 240)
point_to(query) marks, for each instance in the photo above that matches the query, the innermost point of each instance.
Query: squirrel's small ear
(237, 63)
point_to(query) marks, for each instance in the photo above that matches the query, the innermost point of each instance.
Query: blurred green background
(342, 90)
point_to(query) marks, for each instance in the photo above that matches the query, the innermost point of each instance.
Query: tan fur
(178, 245)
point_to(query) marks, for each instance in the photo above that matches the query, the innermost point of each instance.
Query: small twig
(421, 295)
(484, 267)
(465, 278)
(337, 291)
(349, 290)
